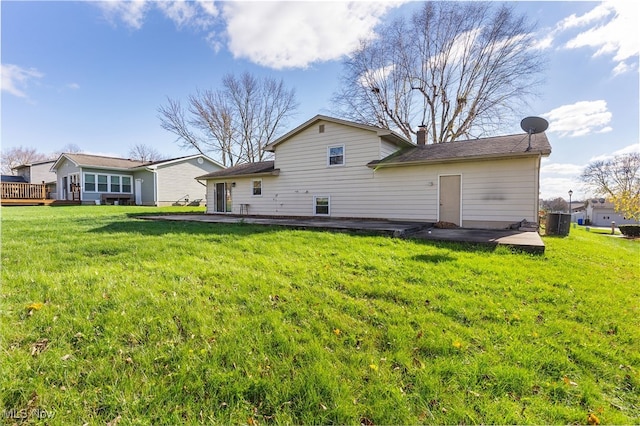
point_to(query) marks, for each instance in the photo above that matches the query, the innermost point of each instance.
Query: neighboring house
(329, 167)
(94, 179)
(601, 212)
(39, 172)
(578, 212)
(13, 179)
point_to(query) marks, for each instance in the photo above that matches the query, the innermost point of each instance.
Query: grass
(106, 317)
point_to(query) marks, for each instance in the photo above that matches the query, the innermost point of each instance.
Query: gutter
(377, 165)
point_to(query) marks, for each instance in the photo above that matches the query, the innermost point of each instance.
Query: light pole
(570, 194)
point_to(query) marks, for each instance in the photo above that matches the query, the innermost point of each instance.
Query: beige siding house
(94, 179)
(329, 167)
(39, 172)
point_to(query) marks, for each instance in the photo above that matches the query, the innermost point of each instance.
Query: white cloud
(614, 37)
(635, 147)
(73, 86)
(553, 187)
(275, 34)
(132, 13)
(579, 119)
(562, 169)
(621, 68)
(296, 34)
(597, 13)
(16, 79)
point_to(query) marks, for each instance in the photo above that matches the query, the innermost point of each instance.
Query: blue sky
(93, 74)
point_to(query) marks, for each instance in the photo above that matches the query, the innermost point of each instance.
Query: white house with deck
(328, 167)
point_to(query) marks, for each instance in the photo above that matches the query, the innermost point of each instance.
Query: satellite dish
(533, 125)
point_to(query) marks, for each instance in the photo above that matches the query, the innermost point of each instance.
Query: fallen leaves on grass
(592, 419)
(36, 306)
(569, 381)
(337, 331)
(38, 347)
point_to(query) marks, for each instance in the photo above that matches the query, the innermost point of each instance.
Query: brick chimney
(422, 135)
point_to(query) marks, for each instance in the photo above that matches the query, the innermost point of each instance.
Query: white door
(138, 189)
(450, 199)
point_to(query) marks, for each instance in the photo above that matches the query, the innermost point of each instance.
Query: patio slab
(524, 240)
(528, 241)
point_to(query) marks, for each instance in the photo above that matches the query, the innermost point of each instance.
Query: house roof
(179, 159)
(487, 148)
(13, 179)
(600, 203)
(249, 169)
(99, 162)
(385, 134)
(102, 162)
(35, 163)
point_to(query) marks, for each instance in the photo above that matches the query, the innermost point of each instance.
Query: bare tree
(144, 153)
(617, 179)
(13, 157)
(70, 148)
(456, 68)
(558, 204)
(233, 123)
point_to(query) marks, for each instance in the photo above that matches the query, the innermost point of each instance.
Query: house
(601, 212)
(39, 172)
(12, 179)
(93, 179)
(328, 167)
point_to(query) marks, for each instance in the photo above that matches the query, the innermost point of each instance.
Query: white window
(335, 155)
(107, 183)
(126, 184)
(102, 183)
(257, 187)
(321, 205)
(90, 183)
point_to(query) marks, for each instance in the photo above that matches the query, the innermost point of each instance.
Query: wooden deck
(37, 202)
(28, 194)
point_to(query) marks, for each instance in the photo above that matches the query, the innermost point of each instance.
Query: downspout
(155, 187)
(155, 184)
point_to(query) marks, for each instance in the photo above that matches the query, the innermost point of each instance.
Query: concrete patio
(523, 240)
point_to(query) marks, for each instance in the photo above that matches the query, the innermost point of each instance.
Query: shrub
(630, 230)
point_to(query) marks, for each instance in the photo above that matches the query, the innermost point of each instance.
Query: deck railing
(23, 191)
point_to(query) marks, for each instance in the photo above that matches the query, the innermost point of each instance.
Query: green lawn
(106, 317)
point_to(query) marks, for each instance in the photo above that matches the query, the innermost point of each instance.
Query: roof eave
(274, 172)
(377, 165)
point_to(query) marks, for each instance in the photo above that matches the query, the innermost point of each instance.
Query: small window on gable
(257, 187)
(336, 155)
(321, 128)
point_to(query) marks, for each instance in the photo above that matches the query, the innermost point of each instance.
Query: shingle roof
(494, 147)
(386, 134)
(13, 179)
(259, 168)
(100, 161)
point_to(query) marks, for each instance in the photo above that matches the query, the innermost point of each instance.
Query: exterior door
(138, 189)
(74, 187)
(450, 199)
(221, 196)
